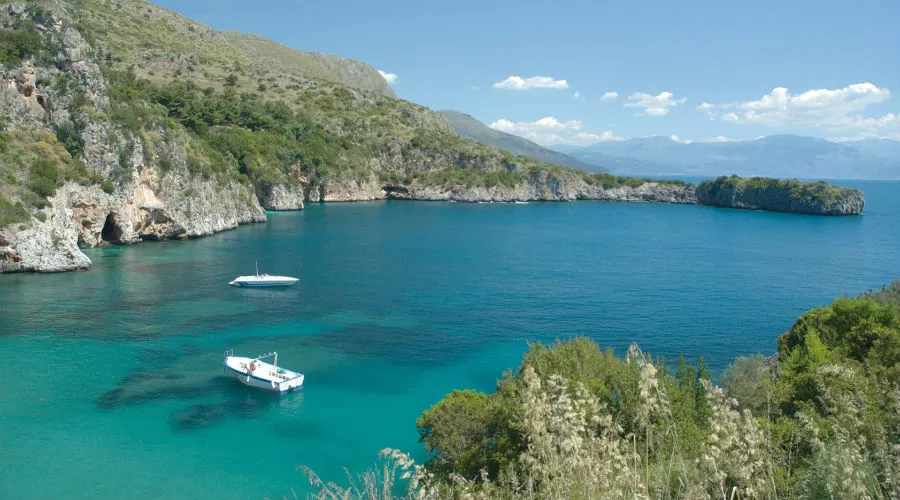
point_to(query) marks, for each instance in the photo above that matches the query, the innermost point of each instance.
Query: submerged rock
(198, 416)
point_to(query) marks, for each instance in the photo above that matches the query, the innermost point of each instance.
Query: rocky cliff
(542, 186)
(792, 196)
(120, 188)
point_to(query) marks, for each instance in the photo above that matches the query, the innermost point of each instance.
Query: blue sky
(838, 60)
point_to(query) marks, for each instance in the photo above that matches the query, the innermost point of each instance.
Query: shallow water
(112, 378)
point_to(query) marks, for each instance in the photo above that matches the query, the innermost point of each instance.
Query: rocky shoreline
(85, 216)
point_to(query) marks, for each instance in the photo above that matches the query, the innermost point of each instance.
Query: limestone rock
(281, 196)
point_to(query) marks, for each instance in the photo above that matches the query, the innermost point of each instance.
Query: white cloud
(834, 110)
(654, 105)
(719, 138)
(589, 138)
(390, 77)
(532, 82)
(707, 108)
(679, 139)
(549, 130)
(610, 96)
(576, 95)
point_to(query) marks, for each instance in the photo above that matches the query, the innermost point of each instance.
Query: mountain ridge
(468, 127)
(782, 156)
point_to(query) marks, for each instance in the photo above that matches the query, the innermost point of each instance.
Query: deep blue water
(112, 378)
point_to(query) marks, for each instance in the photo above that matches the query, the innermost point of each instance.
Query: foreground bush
(821, 419)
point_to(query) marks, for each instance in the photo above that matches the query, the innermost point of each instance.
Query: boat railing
(267, 355)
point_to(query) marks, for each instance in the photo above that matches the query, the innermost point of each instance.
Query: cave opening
(111, 232)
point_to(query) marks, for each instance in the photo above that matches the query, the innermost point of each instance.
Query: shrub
(42, 177)
(69, 136)
(17, 45)
(11, 213)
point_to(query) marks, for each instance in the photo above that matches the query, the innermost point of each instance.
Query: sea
(112, 378)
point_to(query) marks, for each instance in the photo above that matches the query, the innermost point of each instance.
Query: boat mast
(257, 267)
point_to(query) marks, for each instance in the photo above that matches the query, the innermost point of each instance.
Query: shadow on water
(144, 387)
(245, 404)
(237, 401)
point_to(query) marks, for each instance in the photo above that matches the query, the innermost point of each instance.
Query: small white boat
(265, 376)
(262, 280)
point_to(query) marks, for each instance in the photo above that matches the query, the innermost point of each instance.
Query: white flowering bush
(820, 419)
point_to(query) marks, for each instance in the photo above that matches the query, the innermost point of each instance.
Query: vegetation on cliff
(821, 419)
(775, 194)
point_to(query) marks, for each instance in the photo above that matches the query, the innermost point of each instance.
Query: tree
(456, 432)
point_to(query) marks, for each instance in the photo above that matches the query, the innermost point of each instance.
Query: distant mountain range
(773, 156)
(470, 128)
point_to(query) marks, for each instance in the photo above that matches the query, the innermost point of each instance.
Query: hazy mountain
(882, 148)
(776, 156)
(470, 128)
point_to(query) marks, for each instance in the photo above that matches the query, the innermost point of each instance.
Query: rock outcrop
(281, 196)
(818, 198)
(154, 195)
(539, 186)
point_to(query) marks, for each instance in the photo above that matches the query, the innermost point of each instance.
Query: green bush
(11, 213)
(69, 135)
(823, 416)
(43, 177)
(17, 45)
(460, 432)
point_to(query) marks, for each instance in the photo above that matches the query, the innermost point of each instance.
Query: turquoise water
(112, 379)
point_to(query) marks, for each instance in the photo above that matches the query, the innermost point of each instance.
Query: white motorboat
(264, 376)
(262, 280)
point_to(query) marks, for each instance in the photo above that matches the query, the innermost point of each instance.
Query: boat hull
(258, 379)
(263, 281)
(244, 284)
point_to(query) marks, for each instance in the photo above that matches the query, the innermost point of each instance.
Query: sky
(579, 72)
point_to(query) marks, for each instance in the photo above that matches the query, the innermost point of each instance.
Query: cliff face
(130, 186)
(543, 187)
(780, 196)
